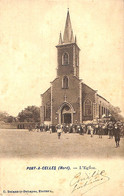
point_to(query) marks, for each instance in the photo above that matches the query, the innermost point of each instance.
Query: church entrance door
(67, 118)
(66, 115)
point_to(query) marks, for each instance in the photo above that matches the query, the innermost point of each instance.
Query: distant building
(69, 100)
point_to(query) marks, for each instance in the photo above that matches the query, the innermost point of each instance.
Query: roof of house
(89, 87)
(102, 98)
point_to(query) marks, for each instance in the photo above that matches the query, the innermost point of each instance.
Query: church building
(69, 100)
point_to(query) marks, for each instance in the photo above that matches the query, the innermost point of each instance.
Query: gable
(88, 93)
(47, 95)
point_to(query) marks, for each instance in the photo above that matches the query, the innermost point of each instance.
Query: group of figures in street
(110, 128)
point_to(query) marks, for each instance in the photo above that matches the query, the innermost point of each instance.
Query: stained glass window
(88, 108)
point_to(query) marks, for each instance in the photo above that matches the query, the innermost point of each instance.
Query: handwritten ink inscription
(85, 181)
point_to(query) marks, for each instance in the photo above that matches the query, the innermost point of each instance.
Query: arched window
(47, 110)
(65, 82)
(88, 107)
(65, 59)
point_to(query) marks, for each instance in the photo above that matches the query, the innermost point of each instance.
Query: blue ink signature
(87, 181)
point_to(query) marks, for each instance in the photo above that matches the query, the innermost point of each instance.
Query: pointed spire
(60, 38)
(72, 37)
(68, 33)
(75, 39)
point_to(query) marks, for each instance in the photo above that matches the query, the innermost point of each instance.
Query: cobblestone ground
(22, 143)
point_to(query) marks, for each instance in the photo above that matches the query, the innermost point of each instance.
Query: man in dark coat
(117, 134)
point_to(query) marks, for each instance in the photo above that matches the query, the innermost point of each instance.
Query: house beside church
(69, 100)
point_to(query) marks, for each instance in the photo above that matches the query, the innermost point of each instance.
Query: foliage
(29, 114)
(5, 117)
(115, 113)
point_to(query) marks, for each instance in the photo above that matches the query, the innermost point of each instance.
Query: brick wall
(73, 52)
(87, 93)
(72, 94)
(46, 101)
(102, 105)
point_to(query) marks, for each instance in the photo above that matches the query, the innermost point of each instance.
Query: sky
(29, 32)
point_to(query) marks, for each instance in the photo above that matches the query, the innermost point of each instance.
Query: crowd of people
(112, 129)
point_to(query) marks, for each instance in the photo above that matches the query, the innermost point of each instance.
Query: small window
(65, 59)
(65, 82)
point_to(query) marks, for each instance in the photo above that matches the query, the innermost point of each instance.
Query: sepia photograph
(62, 97)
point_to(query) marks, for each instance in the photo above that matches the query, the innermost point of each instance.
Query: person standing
(50, 129)
(59, 131)
(73, 128)
(103, 129)
(91, 131)
(117, 134)
(96, 129)
(110, 130)
(30, 127)
(37, 128)
(100, 131)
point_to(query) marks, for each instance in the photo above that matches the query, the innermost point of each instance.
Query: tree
(29, 114)
(10, 119)
(5, 117)
(115, 113)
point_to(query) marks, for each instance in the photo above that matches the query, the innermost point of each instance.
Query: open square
(24, 144)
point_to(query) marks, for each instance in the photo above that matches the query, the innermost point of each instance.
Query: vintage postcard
(61, 97)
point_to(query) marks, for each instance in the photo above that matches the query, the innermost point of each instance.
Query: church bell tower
(68, 52)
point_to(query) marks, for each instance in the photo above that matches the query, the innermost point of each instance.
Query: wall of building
(65, 69)
(73, 67)
(72, 97)
(102, 106)
(76, 60)
(99, 104)
(87, 93)
(46, 106)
